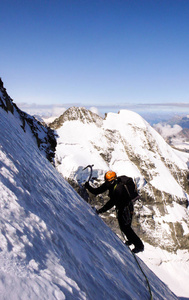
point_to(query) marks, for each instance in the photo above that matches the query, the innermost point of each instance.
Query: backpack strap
(115, 186)
(134, 199)
(125, 186)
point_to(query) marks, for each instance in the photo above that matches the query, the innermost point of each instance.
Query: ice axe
(90, 175)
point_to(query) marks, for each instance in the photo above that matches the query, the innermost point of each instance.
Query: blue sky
(95, 51)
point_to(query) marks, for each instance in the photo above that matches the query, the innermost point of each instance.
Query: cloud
(58, 111)
(166, 130)
(94, 110)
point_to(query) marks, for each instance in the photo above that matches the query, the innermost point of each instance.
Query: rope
(146, 278)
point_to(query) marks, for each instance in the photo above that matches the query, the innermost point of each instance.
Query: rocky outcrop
(5, 100)
(44, 135)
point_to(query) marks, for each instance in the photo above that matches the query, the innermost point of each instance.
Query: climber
(122, 194)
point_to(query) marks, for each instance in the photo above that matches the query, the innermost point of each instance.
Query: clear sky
(95, 51)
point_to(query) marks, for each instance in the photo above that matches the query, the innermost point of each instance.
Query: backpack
(133, 195)
(130, 187)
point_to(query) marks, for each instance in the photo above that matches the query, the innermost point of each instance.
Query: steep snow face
(52, 245)
(43, 135)
(126, 143)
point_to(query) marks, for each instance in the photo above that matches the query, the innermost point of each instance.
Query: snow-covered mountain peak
(125, 117)
(77, 113)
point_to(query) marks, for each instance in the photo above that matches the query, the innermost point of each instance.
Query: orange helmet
(110, 175)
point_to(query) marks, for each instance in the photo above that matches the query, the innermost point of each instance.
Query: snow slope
(171, 268)
(52, 245)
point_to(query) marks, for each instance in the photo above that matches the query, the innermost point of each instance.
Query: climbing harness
(146, 278)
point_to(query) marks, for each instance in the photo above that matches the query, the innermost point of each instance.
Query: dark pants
(128, 231)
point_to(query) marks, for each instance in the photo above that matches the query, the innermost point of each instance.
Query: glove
(87, 185)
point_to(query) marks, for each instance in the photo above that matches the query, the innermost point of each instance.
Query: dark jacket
(117, 193)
